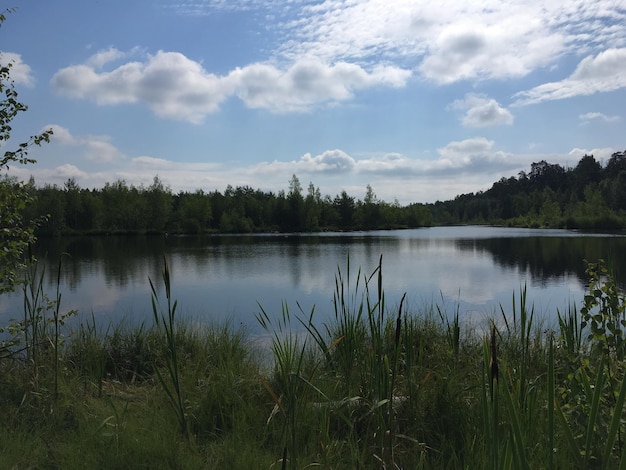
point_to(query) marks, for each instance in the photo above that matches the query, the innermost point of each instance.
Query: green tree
(312, 208)
(295, 215)
(51, 201)
(194, 212)
(345, 207)
(370, 209)
(158, 204)
(73, 205)
(125, 209)
(15, 232)
(588, 171)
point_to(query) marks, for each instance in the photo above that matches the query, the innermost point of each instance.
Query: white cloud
(329, 51)
(96, 148)
(587, 117)
(101, 58)
(488, 48)
(600, 154)
(60, 134)
(455, 40)
(456, 149)
(172, 85)
(100, 149)
(67, 171)
(20, 72)
(482, 111)
(176, 87)
(152, 162)
(594, 74)
(460, 167)
(389, 163)
(307, 83)
(330, 160)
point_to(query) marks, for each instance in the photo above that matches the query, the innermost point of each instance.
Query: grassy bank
(377, 387)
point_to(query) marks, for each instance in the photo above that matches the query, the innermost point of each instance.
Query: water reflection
(550, 258)
(475, 268)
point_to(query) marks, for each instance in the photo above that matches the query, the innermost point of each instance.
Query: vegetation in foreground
(376, 387)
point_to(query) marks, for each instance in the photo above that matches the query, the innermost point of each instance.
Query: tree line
(122, 208)
(587, 196)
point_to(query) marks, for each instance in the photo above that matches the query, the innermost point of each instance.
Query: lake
(473, 269)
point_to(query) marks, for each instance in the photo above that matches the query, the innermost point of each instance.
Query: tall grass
(165, 323)
(38, 335)
(292, 383)
(374, 387)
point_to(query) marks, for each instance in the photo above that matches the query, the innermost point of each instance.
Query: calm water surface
(474, 269)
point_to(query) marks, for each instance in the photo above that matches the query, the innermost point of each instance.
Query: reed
(292, 384)
(377, 386)
(490, 399)
(165, 323)
(87, 352)
(35, 306)
(38, 336)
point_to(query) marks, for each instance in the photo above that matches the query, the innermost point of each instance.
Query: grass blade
(615, 423)
(593, 413)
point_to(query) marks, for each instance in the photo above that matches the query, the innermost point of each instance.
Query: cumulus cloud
(101, 58)
(496, 48)
(459, 167)
(21, 73)
(389, 163)
(482, 111)
(475, 155)
(330, 160)
(600, 154)
(471, 156)
(588, 117)
(172, 85)
(96, 148)
(594, 74)
(307, 83)
(100, 149)
(67, 171)
(476, 145)
(176, 87)
(60, 134)
(330, 50)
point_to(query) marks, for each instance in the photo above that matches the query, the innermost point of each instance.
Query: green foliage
(604, 313)
(120, 208)
(165, 323)
(37, 337)
(15, 232)
(587, 196)
(375, 387)
(590, 399)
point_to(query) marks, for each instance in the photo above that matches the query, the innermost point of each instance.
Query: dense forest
(120, 208)
(588, 196)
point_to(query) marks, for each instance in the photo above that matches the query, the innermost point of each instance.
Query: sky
(421, 100)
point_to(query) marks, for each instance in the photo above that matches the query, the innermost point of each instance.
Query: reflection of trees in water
(546, 258)
(122, 260)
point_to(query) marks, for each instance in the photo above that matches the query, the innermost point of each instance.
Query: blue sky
(423, 100)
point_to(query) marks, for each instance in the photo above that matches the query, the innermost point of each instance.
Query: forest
(587, 196)
(120, 208)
